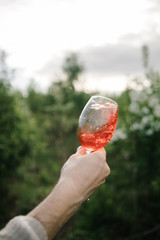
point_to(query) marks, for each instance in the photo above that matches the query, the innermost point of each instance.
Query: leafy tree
(59, 110)
(38, 134)
(18, 135)
(126, 206)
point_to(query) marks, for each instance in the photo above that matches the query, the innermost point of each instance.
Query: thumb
(81, 151)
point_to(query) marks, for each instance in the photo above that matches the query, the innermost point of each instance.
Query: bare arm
(80, 177)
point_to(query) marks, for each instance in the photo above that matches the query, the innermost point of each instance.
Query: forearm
(80, 177)
(57, 208)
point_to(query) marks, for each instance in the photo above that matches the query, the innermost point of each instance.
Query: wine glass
(97, 123)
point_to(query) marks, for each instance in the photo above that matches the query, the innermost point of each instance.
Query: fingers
(100, 153)
(108, 170)
(81, 151)
(102, 150)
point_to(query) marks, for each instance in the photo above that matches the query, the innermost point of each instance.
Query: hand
(85, 172)
(79, 178)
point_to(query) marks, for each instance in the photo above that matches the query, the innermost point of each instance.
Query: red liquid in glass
(100, 138)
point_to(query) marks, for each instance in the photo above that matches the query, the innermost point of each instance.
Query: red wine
(100, 137)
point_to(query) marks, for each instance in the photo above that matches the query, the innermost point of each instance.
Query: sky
(107, 36)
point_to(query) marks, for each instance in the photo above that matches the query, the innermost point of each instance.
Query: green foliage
(13, 135)
(72, 68)
(16, 141)
(39, 132)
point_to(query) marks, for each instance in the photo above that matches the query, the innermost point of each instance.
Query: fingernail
(79, 148)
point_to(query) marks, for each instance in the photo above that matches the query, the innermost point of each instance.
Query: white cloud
(34, 32)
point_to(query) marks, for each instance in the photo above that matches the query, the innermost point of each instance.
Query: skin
(80, 176)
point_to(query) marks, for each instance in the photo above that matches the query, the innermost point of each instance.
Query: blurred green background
(38, 132)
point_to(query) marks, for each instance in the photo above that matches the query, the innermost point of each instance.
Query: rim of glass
(104, 98)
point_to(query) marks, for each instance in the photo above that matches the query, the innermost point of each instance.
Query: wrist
(67, 194)
(58, 207)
